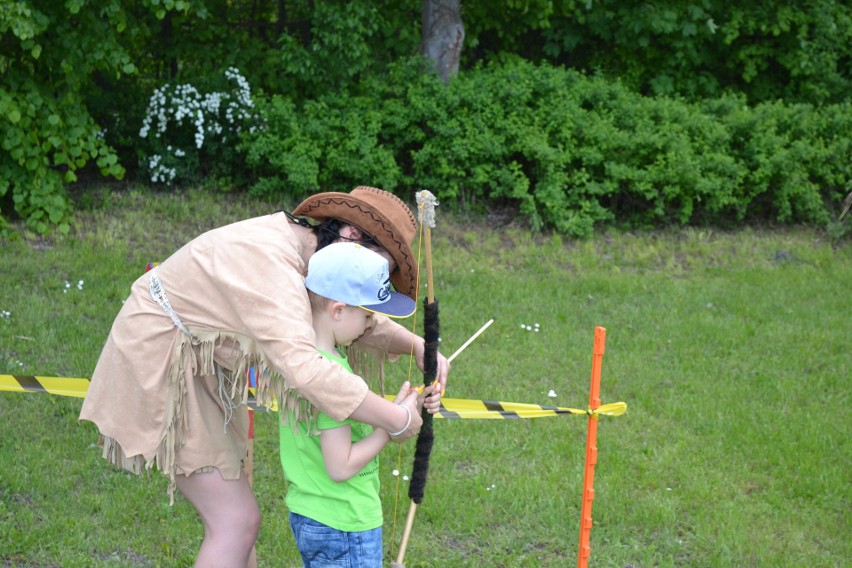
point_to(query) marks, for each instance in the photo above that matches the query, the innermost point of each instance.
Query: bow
(431, 334)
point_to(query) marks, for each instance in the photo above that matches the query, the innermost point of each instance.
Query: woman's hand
(441, 374)
(405, 342)
(430, 399)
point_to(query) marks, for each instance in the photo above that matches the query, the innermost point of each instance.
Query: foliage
(188, 134)
(295, 47)
(321, 145)
(76, 79)
(570, 151)
(792, 157)
(799, 52)
(346, 40)
(50, 51)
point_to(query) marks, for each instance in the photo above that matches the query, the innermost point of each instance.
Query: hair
(329, 231)
(318, 303)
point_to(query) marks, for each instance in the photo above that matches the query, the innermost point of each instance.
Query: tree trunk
(443, 35)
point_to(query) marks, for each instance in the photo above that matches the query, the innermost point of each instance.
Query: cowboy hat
(380, 214)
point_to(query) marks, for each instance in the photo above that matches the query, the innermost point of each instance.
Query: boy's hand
(407, 397)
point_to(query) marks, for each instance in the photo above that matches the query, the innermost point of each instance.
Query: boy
(332, 467)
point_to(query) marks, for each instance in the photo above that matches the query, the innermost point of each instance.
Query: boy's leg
(230, 514)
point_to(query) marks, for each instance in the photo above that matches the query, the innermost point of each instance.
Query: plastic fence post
(585, 551)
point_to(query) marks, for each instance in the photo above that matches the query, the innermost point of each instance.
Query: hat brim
(398, 306)
(349, 208)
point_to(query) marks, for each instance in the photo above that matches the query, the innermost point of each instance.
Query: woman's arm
(390, 337)
(343, 459)
(404, 339)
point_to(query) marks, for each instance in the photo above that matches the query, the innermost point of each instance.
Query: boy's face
(352, 324)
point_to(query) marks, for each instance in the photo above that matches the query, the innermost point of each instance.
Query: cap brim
(398, 306)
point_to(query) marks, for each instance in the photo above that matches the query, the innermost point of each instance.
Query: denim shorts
(324, 547)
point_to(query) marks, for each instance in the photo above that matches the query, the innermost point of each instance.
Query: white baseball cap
(357, 276)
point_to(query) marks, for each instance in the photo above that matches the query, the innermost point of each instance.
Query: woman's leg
(231, 518)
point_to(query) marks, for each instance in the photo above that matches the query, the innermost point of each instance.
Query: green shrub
(50, 51)
(188, 133)
(569, 151)
(770, 50)
(796, 158)
(328, 144)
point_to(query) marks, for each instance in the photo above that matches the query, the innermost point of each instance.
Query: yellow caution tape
(495, 410)
(451, 408)
(53, 385)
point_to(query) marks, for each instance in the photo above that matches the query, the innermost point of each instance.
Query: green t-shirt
(352, 505)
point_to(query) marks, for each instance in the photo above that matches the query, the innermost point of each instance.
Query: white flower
(551, 393)
(217, 116)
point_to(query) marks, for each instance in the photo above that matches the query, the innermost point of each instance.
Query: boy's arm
(343, 459)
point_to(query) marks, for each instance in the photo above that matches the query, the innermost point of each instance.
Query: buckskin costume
(170, 386)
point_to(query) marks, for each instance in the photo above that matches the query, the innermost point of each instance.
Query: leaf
(33, 163)
(117, 171)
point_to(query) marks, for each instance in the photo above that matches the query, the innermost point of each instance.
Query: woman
(170, 385)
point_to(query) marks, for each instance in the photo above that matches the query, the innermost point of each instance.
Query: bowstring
(419, 256)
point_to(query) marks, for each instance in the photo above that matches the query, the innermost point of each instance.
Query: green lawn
(731, 349)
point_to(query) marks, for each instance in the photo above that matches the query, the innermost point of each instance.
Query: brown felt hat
(381, 215)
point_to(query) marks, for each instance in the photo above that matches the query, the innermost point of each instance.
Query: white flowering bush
(189, 133)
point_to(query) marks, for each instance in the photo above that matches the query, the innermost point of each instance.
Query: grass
(731, 350)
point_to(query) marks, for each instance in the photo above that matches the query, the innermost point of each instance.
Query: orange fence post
(591, 451)
(248, 465)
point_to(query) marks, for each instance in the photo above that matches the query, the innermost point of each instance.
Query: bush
(792, 156)
(569, 151)
(770, 50)
(188, 134)
(50, 52)
(325, 144)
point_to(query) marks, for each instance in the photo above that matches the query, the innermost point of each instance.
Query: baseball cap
(357, 276)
